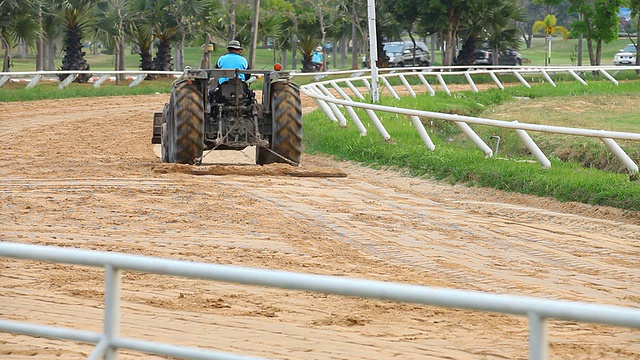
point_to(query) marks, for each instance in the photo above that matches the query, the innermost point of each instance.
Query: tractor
(202, 115)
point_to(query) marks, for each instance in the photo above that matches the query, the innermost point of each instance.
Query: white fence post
(538, 343)
(34, 81)
(424, 135)
(334, 107)
(622, 156)
(349, 109)
(533, 147)
(112, 293)
(68, 80)
(467, 130)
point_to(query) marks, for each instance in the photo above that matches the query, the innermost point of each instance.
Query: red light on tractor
(277, 67)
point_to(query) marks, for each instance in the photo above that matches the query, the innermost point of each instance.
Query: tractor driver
(232, 60)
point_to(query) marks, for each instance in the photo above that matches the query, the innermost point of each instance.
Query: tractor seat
(228, 91)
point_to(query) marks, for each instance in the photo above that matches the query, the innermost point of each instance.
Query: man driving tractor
(232, 60)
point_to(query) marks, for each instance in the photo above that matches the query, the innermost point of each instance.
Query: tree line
(157, 28)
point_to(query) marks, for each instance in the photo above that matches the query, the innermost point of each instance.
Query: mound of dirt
(249, 170)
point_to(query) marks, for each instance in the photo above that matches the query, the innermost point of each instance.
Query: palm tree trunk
(40, 46)
(294, 39)
(354, 46)
(7, 59)
(449, 38)
(254, 33)
(178, 58)
(40, 54)
(344, 45)
(49, 55)
(162, 62)
(117, 54)
(123, 48)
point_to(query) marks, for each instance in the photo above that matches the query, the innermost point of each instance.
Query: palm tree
(51, 32)
(18, 23)
(112, 17)
(231, 20)
(140, 30)
(185, 14)
(77, 16)
(142, 38)
(306, 44)
(271, 26)
(472, 32)
(165, 35)
(152, 19)
(550, 28)
(501, 28)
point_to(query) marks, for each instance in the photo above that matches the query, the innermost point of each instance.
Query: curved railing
(332, 97)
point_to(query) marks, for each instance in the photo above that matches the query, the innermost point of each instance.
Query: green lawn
(562, 51)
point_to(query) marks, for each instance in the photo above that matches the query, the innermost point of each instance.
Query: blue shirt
(232, 61)
(317, 57)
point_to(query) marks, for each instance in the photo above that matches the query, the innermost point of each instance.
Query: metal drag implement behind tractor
(202, 115)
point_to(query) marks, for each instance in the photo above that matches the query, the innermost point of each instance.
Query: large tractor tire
(286, 137)
(184, 126)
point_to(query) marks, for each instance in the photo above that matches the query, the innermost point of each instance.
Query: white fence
(108, 342)
(33, 78)
(324, 93)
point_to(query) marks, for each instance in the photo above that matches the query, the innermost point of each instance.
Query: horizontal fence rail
(332, 97)
(33, 78)
(107, 343)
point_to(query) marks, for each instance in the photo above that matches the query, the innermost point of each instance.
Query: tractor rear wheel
(185, 123)
(286, 134)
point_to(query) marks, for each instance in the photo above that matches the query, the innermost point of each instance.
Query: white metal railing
(33, 78)
(108, 342)
(331, 104)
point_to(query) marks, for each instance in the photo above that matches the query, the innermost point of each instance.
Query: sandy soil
(81, 173)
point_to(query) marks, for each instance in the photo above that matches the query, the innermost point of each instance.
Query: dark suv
(401, 54)
(507, 57)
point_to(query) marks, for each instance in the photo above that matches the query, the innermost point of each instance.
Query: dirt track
(80, 173)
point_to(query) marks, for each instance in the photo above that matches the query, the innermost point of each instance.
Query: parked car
(507, 57)
(401, 54)
(626, 56)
